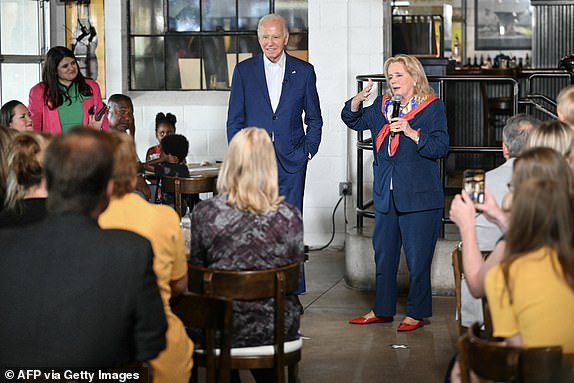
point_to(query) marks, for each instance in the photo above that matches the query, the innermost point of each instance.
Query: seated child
(174, 149)
(164, 126)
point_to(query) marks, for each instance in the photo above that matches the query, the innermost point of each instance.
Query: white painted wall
(345, 39)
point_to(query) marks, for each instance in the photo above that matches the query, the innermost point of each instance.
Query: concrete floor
(335, 351)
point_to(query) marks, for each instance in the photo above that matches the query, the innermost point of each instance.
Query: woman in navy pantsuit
(407, 191)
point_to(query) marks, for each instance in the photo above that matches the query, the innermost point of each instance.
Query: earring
(415, 83)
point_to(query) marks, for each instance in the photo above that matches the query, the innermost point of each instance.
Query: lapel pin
(293, 72)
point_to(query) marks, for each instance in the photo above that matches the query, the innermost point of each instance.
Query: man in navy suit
(271, 91)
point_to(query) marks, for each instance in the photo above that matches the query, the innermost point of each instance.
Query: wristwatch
(416, 139)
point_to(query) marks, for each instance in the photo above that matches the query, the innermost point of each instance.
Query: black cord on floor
(333, 221)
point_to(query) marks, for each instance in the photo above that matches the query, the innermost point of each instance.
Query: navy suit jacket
(413, 169)
(74, 295)
(250, 106)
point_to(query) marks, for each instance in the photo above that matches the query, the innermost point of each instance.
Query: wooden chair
(493, 361)
(457, 268)
(456, 255)
(187, 185)
(209, 314)
(251, 285)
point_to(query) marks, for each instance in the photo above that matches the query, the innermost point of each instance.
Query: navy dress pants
(291, 186)
(417, 232)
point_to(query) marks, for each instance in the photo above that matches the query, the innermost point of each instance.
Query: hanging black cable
(333, 221)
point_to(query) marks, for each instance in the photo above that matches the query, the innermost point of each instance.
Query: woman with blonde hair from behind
(26, 191)
(556, 135)
(160, 225)
(248, 226)
(6, 137)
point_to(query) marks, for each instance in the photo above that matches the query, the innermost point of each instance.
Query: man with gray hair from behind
(514, 135)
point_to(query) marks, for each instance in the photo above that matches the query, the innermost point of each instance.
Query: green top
(71, 111)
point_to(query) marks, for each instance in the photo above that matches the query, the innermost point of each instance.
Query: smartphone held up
(473, 184)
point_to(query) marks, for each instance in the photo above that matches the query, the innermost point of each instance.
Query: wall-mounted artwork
(503, 24)
(85, 37)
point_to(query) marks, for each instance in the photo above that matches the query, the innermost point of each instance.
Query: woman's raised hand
(361, 96)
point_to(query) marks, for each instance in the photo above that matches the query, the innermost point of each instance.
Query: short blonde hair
(414, 67)
(249, 172)
(125, 163)
(553, 134)
(566, 105)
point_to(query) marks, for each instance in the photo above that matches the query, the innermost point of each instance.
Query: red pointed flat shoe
(375, 319)
(410, 327)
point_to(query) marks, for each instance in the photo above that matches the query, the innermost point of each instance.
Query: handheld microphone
(396, 108)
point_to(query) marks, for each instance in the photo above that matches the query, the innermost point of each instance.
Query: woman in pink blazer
(65, 98)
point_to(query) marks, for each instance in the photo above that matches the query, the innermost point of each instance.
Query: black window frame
(235, 35)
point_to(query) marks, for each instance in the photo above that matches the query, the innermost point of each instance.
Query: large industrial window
(195, 44)
(22, 41)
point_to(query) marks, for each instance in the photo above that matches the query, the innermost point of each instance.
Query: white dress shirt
(274, 73)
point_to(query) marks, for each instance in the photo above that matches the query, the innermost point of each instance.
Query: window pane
(215, 61)
(249, 44)
(17, 79)
(148, 68)
(146, 17)
(19, 24)
(295, 12)
(250, 11)
(217, 15)
(183, 62)
(183, 15)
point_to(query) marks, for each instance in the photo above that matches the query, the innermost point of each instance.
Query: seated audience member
(121, 114)
(174, 149)
(554, 134)
(514, 136)
(248, 226)
(164, 126)
(6, 137)
(97, 303)
(160, 225)
(16, 115)
(531, 292)
(565, 106)
(121, 118)
(26, 187)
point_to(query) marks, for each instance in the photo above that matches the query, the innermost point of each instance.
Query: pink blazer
(48, 121)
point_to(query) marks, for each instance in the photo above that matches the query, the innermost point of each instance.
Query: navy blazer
(413, 169)
(250, 106)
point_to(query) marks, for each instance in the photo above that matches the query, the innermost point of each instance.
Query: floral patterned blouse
(226, 238)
